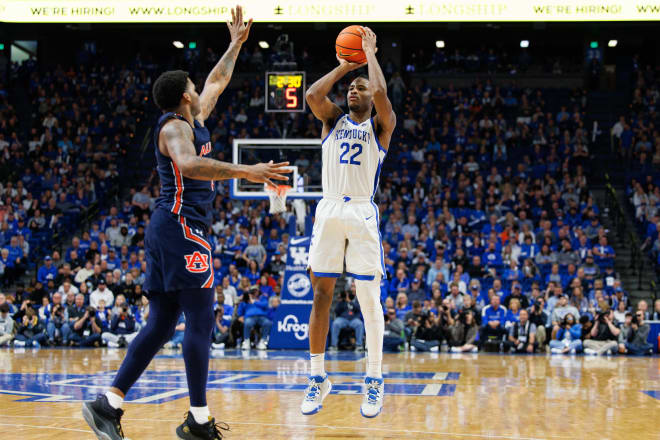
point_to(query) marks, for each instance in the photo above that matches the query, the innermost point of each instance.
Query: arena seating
(485, 192)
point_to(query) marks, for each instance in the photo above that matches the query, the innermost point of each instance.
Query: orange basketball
(349, 45)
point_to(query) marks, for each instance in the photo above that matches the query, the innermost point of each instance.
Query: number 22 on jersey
(346, 147)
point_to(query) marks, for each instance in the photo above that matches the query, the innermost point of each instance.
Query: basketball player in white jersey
(346, 226)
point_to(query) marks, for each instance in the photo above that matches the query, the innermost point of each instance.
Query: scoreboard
(285, 92)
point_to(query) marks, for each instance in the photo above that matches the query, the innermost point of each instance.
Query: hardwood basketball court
(428, 395)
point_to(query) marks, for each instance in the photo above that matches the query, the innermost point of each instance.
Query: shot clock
(285, 91)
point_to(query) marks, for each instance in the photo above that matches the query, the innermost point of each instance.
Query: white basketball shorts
(346, 228)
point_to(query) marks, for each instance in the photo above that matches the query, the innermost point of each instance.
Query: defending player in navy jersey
(179, 271)
(346, 224)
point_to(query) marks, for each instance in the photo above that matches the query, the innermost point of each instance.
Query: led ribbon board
(163, 11)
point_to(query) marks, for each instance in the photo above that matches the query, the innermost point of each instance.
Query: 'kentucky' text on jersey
(352, 159)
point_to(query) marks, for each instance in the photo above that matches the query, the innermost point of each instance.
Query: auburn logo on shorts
(197, 262)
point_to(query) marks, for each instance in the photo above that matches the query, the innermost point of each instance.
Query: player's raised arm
(317, 95)
(385, 118)
(176, 141)
(221, 74)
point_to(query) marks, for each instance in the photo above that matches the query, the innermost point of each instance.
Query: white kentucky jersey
(352, 159)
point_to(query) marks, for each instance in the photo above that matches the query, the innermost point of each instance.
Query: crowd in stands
(637, 139)
(491, 237)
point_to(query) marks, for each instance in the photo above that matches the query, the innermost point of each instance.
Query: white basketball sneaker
(319, 387)
(372, 403)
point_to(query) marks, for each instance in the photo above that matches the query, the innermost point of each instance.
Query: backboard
(304, 156)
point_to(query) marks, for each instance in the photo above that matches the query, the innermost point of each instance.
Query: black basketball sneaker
(104, 420)
(191, 430)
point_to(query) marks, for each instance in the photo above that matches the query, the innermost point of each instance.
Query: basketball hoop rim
(278, 190)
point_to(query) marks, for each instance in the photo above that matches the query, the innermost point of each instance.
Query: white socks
(201, 414)
(115, 400)
(317, 364)
(368, 294)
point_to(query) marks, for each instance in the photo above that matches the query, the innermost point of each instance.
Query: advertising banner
(291, 321)
(164, 11)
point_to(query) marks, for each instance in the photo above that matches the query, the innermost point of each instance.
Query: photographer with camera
(411, 318)
(634, 339)
(58, 328)
(463, 332)
(393, 336)
(122, 329)
(540, 319)
(470, 306)
(347, 315)
(604, 334)
(431, 330)
(87, 330)
(566, 336)
(522, 335)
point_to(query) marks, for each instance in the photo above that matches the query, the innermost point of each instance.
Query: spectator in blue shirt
(566, 336)
(604, 254)
(402, 306)
(528, 248)
(16, 255)
(113, 261)
(493, 319)
(218, 271)
(254, 309)
(223, 317)
(179, 332)
(264, 287)
(75, 246)
(47, 272)
(492, 257)
(252, 272)
(437, 268)
(399, 284)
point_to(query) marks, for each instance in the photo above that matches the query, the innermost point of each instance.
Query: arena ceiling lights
(355, 11)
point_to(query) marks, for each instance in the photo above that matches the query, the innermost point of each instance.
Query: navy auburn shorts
(178, 254)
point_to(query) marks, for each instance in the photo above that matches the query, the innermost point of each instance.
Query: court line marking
(301, 425)
(164, 395)
(46, 427)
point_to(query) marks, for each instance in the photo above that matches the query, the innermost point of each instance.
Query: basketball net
(277, 196)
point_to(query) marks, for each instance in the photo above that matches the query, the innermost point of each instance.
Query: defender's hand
(238, 30)
(264, 172)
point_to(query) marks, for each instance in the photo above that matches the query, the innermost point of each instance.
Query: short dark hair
(169, 87)
(360, 76)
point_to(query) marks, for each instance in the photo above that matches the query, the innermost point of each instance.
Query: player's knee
(322, 293)
(368, 293)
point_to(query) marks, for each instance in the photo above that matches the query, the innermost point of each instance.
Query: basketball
(349, 45)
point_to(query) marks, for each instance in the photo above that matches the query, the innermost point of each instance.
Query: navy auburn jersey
(182, 196)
